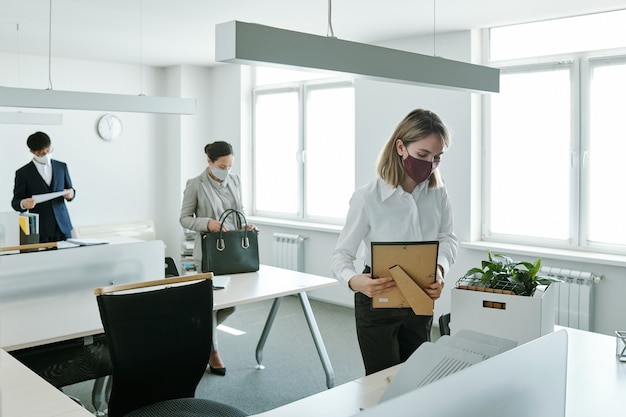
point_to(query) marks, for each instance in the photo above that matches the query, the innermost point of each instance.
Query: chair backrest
(171, 268)
(159, 339)
(444, 324)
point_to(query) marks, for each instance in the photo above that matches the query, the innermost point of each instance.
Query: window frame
(582, 65)
(302, 88)
(609, 57)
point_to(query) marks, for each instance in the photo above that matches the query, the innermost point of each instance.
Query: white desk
(596, 380)
(274, 283)
(268, 283)
(24, 394)
(342, 401)
(47, 296)
(596, 384)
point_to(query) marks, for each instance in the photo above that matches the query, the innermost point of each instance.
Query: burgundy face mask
(418, 169)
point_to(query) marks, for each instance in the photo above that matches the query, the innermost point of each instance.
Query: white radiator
(289, 251)
(574, 297)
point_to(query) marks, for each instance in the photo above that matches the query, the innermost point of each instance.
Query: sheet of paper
(87, 241)
(65, 245)
(40, 198)
(220, 282)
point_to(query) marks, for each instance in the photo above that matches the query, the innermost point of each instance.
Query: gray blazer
(201, 203)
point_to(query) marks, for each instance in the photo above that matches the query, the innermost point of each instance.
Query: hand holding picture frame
(402, 260)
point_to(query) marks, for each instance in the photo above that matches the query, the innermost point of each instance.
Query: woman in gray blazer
(206, 197)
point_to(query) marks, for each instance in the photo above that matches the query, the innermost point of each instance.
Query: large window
(554, 135)
(529, 172)
(303, 147)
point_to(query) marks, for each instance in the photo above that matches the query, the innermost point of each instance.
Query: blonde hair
(416, 126)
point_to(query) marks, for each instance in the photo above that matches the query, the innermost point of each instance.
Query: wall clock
(109, 127)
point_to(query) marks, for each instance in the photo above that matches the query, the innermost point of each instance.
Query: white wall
(182, 150)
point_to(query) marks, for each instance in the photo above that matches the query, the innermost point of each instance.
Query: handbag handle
(245, 242)
(227, 213)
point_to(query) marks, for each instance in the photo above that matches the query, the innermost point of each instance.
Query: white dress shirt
(380, 213)
(45, 170)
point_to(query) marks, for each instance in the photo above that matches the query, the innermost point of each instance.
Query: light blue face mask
(220, 174)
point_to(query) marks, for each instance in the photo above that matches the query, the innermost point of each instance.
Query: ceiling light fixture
(249, 43)
(28, 118)
(75, 100)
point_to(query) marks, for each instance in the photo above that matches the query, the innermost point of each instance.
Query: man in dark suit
(41, 176)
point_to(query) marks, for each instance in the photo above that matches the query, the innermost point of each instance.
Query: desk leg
(317, 338)
(266, 331)
(99, 393)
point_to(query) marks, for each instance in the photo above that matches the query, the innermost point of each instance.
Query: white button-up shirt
(45, 170)
(380, 213)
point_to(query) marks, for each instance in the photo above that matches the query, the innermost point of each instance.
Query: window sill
(552, 253)
(294, 224)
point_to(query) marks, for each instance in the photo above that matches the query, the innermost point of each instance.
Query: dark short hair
(218, 149)
(38, 141)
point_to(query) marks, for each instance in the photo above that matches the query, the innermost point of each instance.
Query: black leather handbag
(230, 252)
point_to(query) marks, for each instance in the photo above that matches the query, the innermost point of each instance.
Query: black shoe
(217, 371)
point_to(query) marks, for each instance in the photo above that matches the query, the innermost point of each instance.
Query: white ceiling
(173, 32)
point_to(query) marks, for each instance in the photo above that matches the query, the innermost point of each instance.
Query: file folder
(29, 229)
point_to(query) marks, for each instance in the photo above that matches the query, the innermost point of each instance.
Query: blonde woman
(407, 202)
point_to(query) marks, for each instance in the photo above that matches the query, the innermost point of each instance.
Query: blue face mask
(220, 174)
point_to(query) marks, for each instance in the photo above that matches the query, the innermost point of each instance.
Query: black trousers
(52, 234)
(387, 336)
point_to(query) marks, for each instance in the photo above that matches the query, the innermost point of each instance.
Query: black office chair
(171, 269)
(159, 340)
(444, 324)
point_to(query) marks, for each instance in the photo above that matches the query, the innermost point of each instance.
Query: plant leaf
(470, 273)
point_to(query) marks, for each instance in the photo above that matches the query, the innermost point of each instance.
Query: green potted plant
(495, 306)
(501, 274)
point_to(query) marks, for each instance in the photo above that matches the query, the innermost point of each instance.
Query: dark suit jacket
(54, 212)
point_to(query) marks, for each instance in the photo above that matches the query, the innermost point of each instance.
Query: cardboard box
(514, 317)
